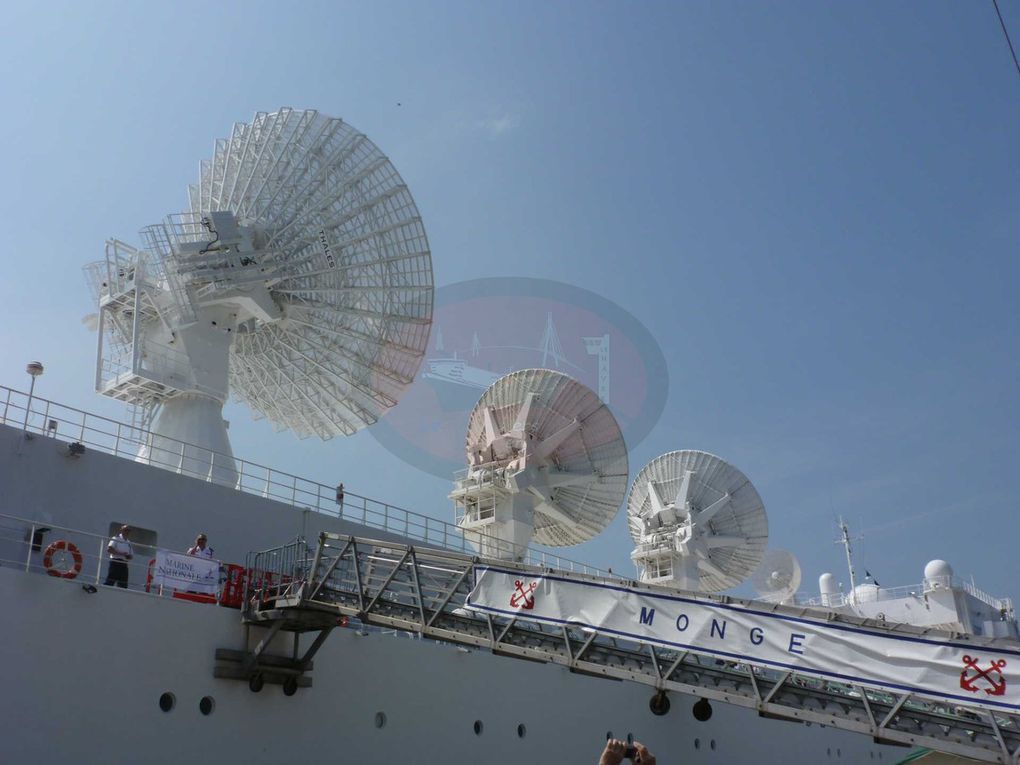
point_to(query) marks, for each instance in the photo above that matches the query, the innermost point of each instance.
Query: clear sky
(812, 207)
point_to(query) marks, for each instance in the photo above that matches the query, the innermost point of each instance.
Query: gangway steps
(425, 590)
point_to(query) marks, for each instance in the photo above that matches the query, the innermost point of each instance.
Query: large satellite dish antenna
(777, 577)
(546, 462)
(300, 280)
(698, 522)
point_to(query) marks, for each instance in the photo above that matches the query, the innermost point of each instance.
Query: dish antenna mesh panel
(547, 462)
(697, 521)
(777, 577)
(302, 259)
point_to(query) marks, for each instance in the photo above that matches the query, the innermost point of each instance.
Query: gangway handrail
(426, 591)
(122, 440)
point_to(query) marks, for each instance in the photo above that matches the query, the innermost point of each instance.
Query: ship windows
(521, 731)
(711, 744)
(697, 743)
(478, 727)
(167, 701)
(380, 719)
(206, 705)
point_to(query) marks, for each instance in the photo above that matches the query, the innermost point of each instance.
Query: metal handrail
(122, 440)
(19, 549)
(879, 594)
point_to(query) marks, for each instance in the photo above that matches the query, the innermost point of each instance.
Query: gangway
(441, 595)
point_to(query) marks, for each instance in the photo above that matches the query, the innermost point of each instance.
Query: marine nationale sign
(972, 673)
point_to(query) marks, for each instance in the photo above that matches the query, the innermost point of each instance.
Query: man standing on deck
(119, 550)
(201, 548)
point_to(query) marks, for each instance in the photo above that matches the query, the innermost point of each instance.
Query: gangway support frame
(424, 590)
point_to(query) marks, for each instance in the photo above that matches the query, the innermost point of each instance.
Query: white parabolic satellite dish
(547, 462)
(300, 280)
(698, 522)
(777, 577)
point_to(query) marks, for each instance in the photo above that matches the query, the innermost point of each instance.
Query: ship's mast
(844, 539)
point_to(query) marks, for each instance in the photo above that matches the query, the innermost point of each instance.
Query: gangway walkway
(426, 591)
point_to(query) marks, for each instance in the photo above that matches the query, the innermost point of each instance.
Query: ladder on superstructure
(423, 590)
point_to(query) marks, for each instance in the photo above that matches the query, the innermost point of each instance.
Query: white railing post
(28, 555)
(99, 560)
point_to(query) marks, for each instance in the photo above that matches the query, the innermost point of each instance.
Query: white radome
(299, 280)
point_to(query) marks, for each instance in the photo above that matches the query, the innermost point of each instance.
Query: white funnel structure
(300, 281)
(547, 462)
(697, 521)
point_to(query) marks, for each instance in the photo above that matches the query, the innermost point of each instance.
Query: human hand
(643, 755)
(613, 753)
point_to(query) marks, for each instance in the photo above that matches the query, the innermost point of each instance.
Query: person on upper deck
(119, 550)
(201, 547)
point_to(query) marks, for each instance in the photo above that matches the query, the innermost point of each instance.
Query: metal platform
(293, 588)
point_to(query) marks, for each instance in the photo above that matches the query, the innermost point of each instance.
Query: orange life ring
(65, 573)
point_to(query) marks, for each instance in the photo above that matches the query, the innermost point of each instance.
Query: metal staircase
(423, 590)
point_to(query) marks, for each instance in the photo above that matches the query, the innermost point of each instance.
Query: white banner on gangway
(975, 674)
(186, 572)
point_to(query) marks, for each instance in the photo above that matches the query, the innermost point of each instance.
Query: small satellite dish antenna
(698, 522)
(299, 280)
(546, 463)
(777, 577)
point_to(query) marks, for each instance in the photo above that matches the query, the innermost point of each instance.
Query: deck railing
(40, 417)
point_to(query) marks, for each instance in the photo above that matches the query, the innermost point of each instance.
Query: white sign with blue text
(186, 572)
(978, 674)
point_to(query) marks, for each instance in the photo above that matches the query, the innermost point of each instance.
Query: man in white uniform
(119, 550)
(202, 549)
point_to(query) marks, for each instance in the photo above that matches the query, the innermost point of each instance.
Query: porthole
(478, 727)
(711, 744)
(521, 731)
(207, 705)
(380, 719)
(697, 743)
(839, 752)
(828, 752)
(609, 735)
(630, 739)
(167, 702)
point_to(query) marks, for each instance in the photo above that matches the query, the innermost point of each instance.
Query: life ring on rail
(63, 573)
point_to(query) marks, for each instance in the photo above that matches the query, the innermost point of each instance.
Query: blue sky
(811, 206)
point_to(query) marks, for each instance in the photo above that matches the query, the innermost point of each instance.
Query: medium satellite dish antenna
(546, 462)
(698, 522)
(777, 577)
(300, 280)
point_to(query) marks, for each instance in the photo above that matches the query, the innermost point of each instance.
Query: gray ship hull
(85, 672)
